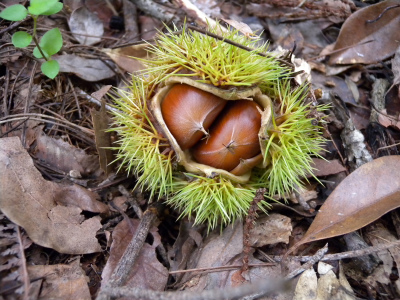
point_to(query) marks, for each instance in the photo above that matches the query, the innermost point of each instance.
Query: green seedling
(50, 43)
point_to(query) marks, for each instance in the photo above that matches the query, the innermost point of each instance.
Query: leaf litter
(78, 209)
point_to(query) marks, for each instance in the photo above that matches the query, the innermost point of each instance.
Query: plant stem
(35, 37)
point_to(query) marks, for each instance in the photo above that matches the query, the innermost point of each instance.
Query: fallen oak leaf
(49, 212)
(361, 198)
(373, 23)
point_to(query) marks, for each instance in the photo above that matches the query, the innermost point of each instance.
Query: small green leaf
(39, 7)
(21, 39)
(53, 10)
(37, 54)
(15, 12)
(50, 68)
(50, 43)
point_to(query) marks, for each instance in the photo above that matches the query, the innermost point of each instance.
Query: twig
(25, 275)
(195, 13)
(263, 287)
(6, 85)
(313, 259)
(156, 10)
(15, 83)
(14, 128)
(95, 101)
(131, 200)
(71, 86)
(386, 147)
(13, 26)
(345, 255)
(382, 13)
(28, 102)
(221, 268)
(215, 36)
(128, 259)
(249, 225)
(42, 117)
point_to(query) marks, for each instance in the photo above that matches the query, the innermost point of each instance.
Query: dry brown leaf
(125, 57)
(240, 26)
(369, 42)
(189, 237)
(378, 234)
(362, 197)
(86, 27)
(61, 281)
(386, 120)
(271, 229)
(148, 272)
(33, 203)
(87, 69)
(324, 167)
(63, 156)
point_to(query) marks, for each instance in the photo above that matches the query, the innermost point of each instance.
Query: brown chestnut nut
(233, 136)
(188, 112)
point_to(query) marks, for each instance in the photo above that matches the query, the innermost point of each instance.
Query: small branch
(128, 259)
(156, 10)
(313, 259)
(249, 225)
(95, 101)
(131, 200)
(193, 12)
(215, 36)
(345, 255)
(263, 287)
(221, 268)
(28, 103)
(25, 275)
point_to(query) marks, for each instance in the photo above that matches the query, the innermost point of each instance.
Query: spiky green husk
(293, 140)
(216, 200)
(140, 143)
(212, 61)
(212, 200)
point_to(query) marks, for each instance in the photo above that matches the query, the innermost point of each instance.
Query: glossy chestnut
(233, 136)
(188, 113)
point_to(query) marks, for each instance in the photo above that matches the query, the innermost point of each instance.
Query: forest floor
(67, 216)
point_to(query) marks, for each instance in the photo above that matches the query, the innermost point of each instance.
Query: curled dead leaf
(361, 198)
